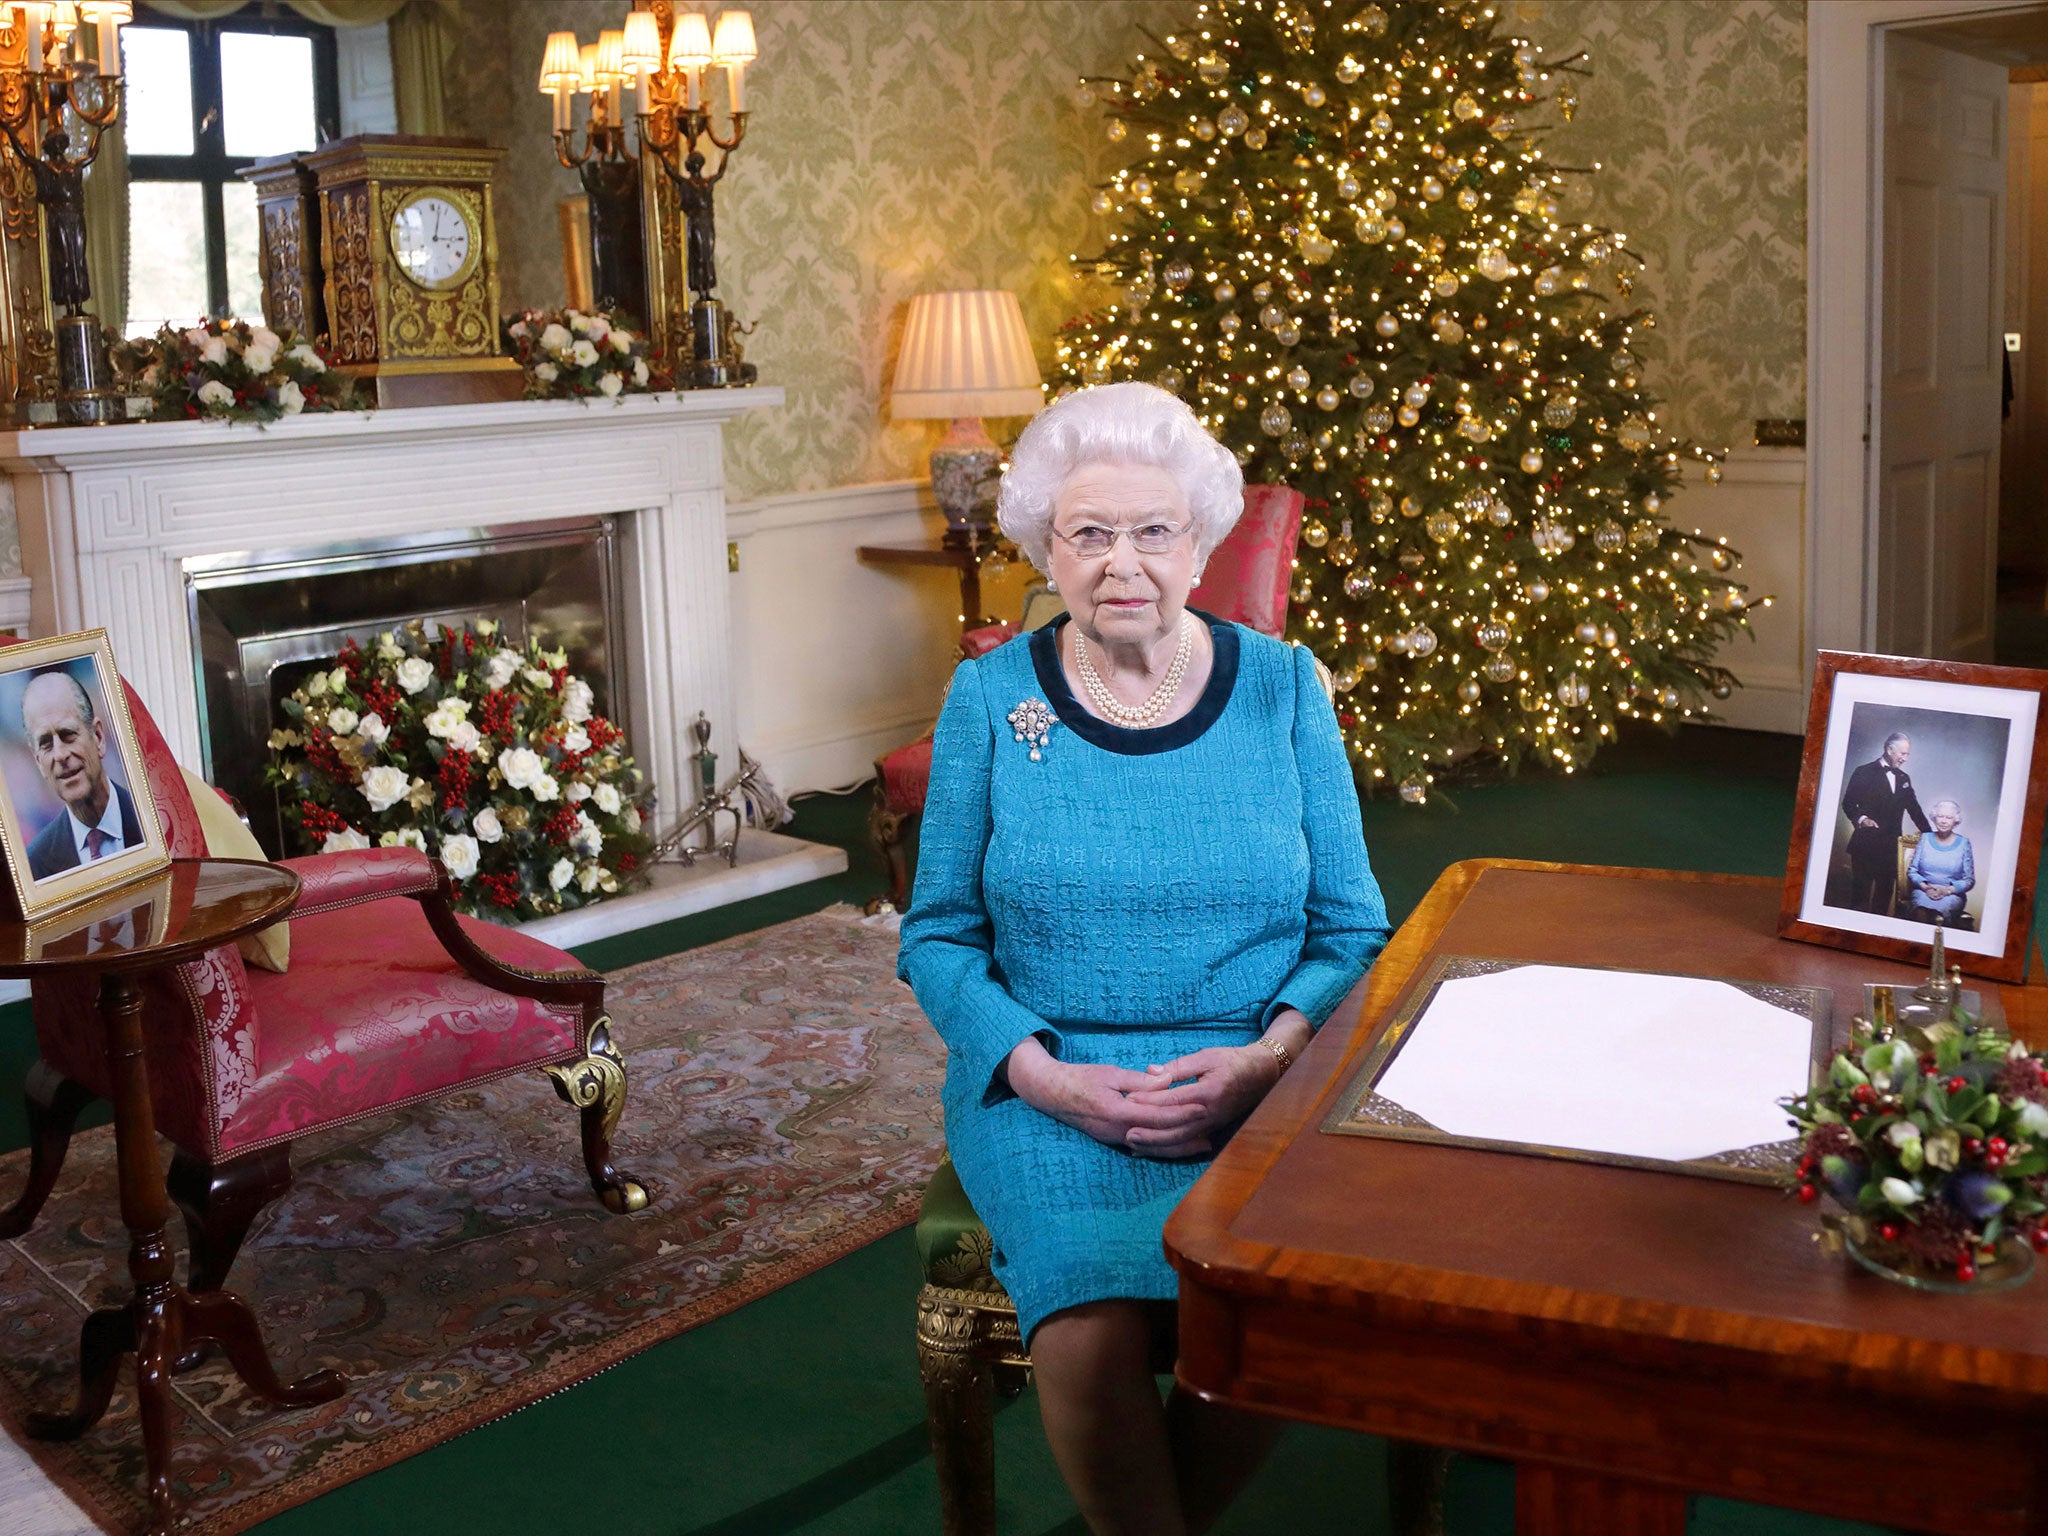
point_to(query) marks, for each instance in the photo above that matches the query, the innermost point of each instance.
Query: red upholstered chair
(389, 999)
(1245, 582)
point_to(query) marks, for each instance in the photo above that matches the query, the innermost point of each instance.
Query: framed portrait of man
(76, 815)
(1921, 800)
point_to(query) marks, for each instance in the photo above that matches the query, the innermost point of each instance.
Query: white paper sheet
(1671, 1067)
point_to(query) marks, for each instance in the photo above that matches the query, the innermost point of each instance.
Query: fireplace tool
(747, 791)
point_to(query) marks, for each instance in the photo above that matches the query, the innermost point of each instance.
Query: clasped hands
(1175, 1109)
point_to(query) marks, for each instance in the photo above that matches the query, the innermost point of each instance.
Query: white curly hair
(1118, 424)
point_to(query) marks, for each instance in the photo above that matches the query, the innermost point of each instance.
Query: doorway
(1958, 420)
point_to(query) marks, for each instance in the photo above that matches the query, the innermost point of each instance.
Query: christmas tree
(1341, 243)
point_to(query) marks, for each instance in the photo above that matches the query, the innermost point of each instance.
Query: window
(204, 100)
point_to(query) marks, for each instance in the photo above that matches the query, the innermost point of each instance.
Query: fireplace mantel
(109, 515)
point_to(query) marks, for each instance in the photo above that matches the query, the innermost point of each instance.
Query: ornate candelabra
(47, 85)
(664, 57)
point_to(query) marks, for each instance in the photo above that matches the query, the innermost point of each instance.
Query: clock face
(432, 241)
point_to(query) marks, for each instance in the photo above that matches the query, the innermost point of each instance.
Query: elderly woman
(1942, 869)
(1142, 885)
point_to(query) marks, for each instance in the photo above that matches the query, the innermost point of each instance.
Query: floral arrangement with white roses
(229, 370)
(490, 758)
(569, 354)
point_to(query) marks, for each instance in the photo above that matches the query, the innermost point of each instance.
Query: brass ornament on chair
(598, 1082)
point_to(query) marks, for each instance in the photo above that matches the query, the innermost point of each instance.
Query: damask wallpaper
(1697, 115)
(902, 145)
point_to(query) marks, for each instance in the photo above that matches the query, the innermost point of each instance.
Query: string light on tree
(1341, 244)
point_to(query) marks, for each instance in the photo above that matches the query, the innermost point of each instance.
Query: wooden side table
(195, 906)
(965, 559)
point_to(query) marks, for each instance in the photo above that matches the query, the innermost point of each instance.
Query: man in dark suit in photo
(70, 744)
(1878, 794)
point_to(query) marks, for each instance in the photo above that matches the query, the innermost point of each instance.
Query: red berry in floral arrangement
(1965, 1270)
(1808, 1194)
(2039, 1238)
(1863, 1093)
(1889, 1231)
(1958, 1084)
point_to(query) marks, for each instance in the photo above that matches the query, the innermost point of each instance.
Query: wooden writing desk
(1624, 1337)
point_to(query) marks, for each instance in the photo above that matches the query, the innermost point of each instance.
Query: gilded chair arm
(331, 881)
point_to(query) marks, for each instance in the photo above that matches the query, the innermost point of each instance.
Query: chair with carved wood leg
(243, 1062)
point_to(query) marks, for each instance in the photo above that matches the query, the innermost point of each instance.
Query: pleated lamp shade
(965, 353)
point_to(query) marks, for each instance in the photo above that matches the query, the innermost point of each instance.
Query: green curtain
(422, 47)
(106, 226)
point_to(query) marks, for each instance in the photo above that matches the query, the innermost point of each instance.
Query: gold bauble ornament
(1315, 533)
(1341, 550)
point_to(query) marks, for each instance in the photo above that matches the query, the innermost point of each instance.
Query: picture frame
(1896, 739)
(77, 818)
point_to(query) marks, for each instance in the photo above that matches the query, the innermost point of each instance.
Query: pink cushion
(339, 1038)
(1247, 577)
(979, 642)
(906, 775)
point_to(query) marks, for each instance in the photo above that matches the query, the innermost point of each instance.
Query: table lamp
(965, 355)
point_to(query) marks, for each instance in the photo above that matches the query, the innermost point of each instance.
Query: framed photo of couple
(1921, 798)
(76, 816)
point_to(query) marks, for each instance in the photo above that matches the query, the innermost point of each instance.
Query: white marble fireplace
(111, 516)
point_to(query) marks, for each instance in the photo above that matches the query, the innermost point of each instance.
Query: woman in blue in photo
(1942, 869)
(1142, 886)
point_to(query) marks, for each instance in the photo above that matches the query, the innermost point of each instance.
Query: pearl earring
(1051, 585)
(1196, 582)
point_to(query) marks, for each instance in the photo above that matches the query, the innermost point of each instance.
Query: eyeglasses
(1091, 542)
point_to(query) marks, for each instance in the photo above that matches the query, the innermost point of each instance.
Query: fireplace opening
(262, 621)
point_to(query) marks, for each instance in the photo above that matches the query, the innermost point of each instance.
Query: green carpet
(802, 1413)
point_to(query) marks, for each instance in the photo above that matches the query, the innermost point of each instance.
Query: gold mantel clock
(411, 267)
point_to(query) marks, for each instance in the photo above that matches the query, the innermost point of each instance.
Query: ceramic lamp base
(966, 471)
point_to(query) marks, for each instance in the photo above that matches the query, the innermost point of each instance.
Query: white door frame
(1844, 102)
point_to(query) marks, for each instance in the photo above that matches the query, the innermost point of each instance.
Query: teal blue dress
(1128, 896)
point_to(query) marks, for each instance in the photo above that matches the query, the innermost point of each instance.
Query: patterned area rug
(783, 1107)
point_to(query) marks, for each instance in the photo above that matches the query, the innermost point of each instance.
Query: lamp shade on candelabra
(965, 353)
(611, 65)
(561, 67)
(641, 49)
(586, 69)
(690, 47)
(733, 42)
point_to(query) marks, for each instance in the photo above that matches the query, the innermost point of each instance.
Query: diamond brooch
(1032, 721)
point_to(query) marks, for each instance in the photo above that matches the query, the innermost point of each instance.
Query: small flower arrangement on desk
(1934, 1141)
(572, 355)
(230, 370)
(490, 758)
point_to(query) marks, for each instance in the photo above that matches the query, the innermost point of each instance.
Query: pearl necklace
(1138, 716)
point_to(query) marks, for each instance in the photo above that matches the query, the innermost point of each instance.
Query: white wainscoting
(1760, 509)
(835, 661)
